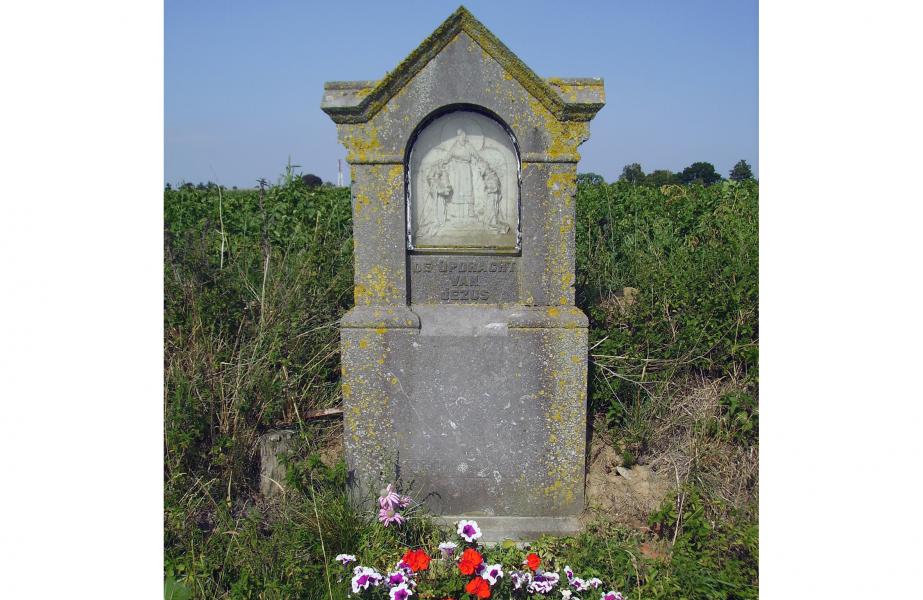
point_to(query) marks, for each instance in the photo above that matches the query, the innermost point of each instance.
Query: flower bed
(463, 568)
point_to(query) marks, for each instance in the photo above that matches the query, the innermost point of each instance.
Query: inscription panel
(453, 279)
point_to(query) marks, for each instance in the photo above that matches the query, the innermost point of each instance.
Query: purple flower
(610, 595)
(403, 568)
(569, 572)
(543, 583)
(492, 573)
(520, 579)
(579, 584)
(363, 577)
(400, 592)
(594, 582)
(396, 578)
(448, 549)
(389, 515)
(469, 530)
(345, 559)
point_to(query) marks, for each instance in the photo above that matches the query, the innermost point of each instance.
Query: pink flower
(389, 498)
(610, 595)
(389, 515)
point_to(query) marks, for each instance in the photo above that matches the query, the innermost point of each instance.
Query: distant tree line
(698, 172)
(310, 181)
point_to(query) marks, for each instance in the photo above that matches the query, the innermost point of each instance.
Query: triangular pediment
(359, 101)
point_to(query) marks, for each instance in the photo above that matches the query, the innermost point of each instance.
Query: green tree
(311, 180)
(700, 172)
(741, 171)
(590, 179)
(632, 173)
(661, 177)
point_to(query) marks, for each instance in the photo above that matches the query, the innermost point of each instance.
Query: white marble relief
(464, 185)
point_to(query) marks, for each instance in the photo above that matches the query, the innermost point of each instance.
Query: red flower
(416, 559)
(533, 561)
(478, 587)
(471, 559)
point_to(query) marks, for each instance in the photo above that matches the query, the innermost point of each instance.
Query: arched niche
(463, 173)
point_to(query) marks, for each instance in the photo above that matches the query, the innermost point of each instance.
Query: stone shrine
(464, 359)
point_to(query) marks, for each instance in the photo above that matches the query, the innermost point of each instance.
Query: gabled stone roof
(359, 101)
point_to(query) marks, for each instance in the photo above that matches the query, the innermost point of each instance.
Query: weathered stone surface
(272, 445)
(464, 359)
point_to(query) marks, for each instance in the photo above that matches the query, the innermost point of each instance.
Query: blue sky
(243, 80)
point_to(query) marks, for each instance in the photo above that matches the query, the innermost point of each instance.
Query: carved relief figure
(492, 188)
(462, 156)
(465, 189)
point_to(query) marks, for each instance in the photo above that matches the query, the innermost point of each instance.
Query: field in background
(255, 281)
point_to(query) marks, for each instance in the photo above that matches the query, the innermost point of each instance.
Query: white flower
(469, 530)
(579, 584)
(520, 579)
(594, 582)
(565, 594)
(448, 548)
(400, 592)
(363, 577)
(492, 573)
(345, 558)
(543, 583)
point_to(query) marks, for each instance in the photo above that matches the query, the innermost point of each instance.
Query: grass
(255, 281)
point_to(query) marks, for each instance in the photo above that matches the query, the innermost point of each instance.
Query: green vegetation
(255, 281)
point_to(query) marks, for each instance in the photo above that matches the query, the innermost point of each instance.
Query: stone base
(472, 410)
(517, 529)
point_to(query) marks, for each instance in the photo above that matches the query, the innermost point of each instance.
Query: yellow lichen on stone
(568, 90)
(362, 200)
(563, 136)
(375, 288)
(565, 376)
(361, 142)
